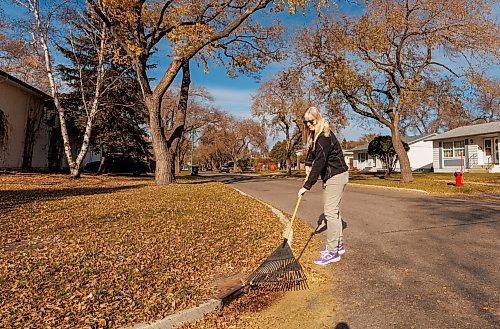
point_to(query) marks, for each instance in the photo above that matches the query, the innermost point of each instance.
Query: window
(448, 149)
(454, 149)
(362, 157)
(458, 149)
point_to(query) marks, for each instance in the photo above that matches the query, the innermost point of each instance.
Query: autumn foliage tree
(485, 97)
(199, 30)
(379, 62)
(230, 139)
(280, 104)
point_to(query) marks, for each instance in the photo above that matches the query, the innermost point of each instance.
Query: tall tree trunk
(288, 165)
(163, 172)
(288, 158)
(174, 141)
(53, 88)
(404, 161)
(103, 164)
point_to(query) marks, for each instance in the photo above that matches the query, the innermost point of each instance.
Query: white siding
(421, 155)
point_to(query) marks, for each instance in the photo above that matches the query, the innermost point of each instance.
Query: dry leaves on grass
(120, 250)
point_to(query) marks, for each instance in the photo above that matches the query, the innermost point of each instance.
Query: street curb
(188, 315)
(196, 313)
(390, 188)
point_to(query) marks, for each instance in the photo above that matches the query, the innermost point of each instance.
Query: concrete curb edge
(389, 188)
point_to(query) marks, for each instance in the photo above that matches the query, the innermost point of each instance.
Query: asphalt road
(412, 260)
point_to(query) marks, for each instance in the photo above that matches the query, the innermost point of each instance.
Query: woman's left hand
(302, 191)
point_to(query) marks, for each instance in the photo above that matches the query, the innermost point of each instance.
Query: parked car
(225, 169)
(120, 165)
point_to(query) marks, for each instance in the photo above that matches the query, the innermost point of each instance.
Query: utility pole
(193, 133)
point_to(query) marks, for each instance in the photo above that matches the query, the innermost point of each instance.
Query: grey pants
(332, 195)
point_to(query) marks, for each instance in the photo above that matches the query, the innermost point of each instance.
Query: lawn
(120, 250)
(439, 183)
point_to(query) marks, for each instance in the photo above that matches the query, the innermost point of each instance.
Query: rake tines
(280, 271)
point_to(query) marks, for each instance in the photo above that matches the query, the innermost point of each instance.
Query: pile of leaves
(114, 251)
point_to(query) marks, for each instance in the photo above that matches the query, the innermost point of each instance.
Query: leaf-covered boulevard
(76, 253)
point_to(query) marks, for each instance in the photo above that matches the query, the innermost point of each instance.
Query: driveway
(412, 260)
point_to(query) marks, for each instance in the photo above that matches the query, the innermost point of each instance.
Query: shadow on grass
(368, 176)
(193, 180)
(231, 179)
(15, 198)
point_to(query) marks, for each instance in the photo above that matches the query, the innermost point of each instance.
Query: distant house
(420, 155)
(474, 147)
(32, 137)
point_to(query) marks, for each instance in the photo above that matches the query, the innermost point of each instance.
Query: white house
(420, 155)
(474, 148)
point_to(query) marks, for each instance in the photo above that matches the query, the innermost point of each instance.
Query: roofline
(459, 136)
(25, 85)
(422, 138)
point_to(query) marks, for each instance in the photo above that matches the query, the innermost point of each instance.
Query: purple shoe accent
(341, 249)
(327, 257)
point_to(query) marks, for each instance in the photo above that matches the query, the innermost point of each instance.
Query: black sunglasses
(308, 121)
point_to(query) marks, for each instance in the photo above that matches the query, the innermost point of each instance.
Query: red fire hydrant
(458, 178)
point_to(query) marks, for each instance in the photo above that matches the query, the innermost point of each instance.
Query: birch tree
(43, 19)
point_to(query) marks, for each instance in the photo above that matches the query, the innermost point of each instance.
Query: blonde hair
(323, 126)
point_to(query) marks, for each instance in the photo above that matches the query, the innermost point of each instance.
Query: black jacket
(326, 159)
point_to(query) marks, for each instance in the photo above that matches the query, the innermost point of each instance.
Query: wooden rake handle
(295, 212)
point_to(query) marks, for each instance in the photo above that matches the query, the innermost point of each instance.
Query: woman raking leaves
(325, 159)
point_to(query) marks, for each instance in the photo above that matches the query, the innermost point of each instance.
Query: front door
(488, 151)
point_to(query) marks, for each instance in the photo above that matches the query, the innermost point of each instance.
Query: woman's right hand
(308, 169)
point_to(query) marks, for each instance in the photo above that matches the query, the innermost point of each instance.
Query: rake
(281, 271)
